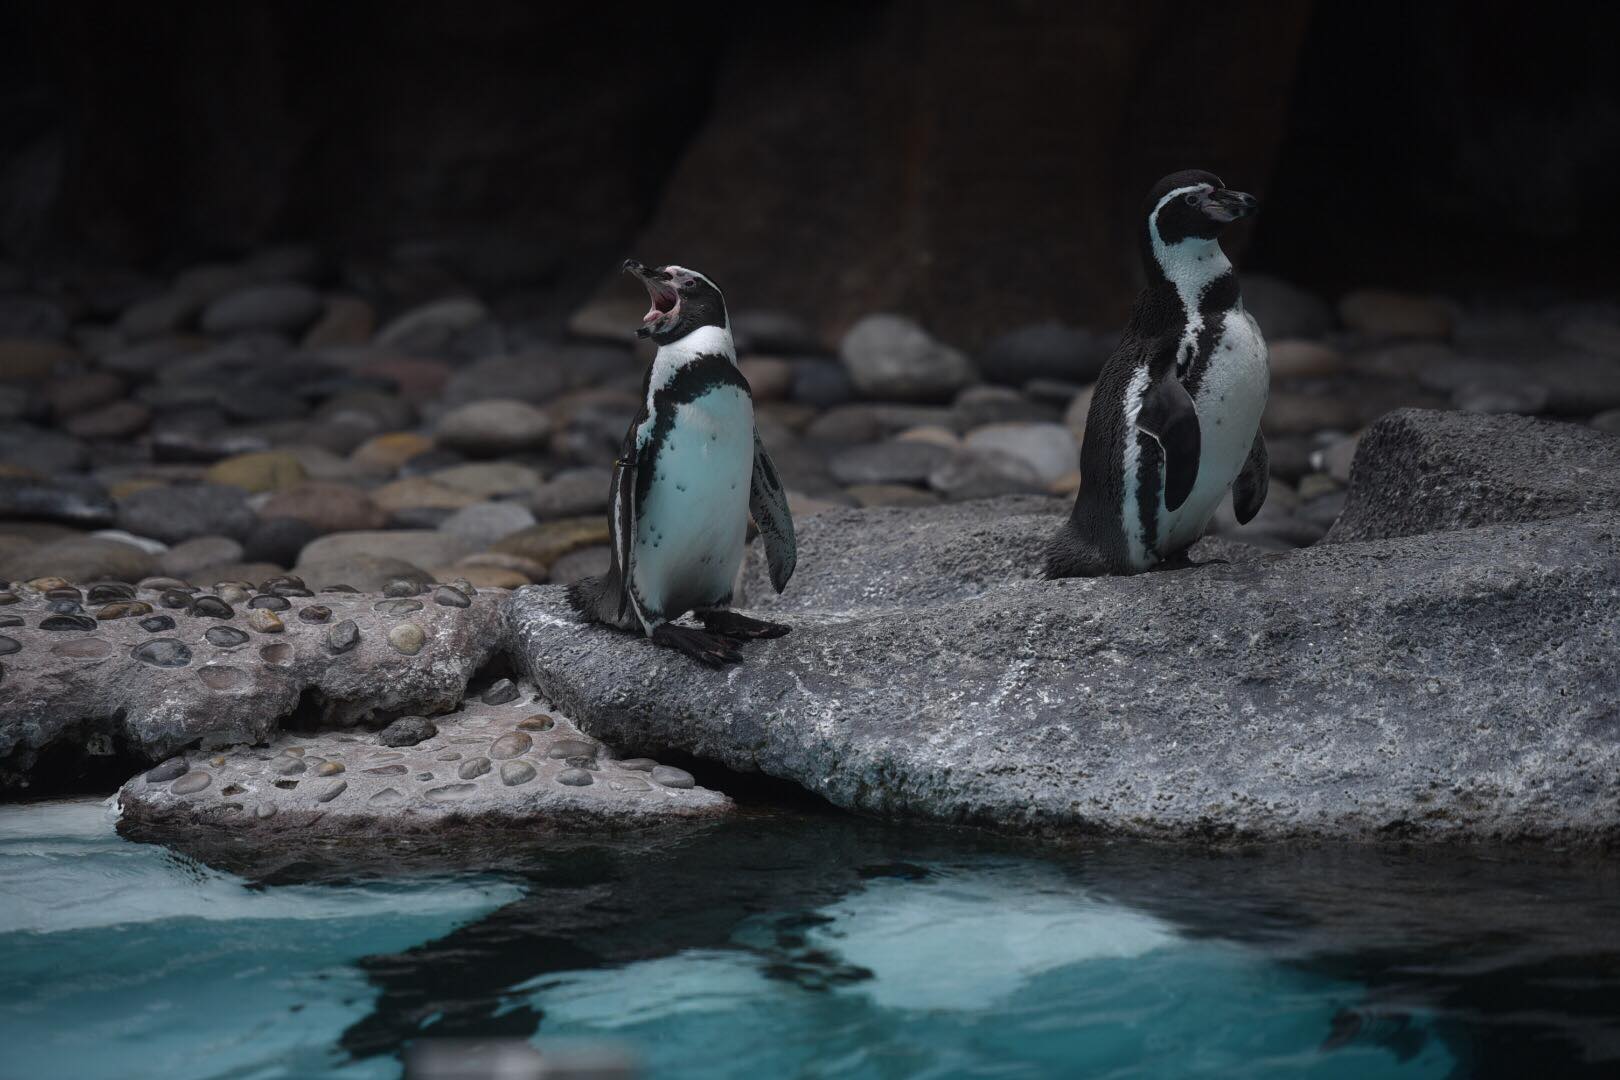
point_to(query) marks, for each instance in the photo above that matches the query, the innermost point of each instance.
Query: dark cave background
(975, 165)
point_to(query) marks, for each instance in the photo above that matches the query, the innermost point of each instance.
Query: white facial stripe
(1190, 264)
(1130, 512)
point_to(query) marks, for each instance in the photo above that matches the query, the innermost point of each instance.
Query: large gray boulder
(1454, 684)
(119, 688)
(1418, 471)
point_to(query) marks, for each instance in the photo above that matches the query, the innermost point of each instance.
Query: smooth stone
(395, 769)
(191, 783)
(210, 607)
(283, 306)
(226, 637)
(638, 764)
(324, 507)
(83, 649)
(233, 592)
(575, 778)
(514, 773)
(1283, 309)
(270, 601)
(175, 598)
(481, 524)
(83, 558)
(265, 621)
(70, 500)
(891, 357)
(571, 748)
(179, 512)
(397, 607)
(511, 745)
(329, 768)
(157, 624)
(258, 472)
(278, 655)
(449, 596)
(67, 622)
(407, 731)
(65, 607)
(220, 677)
(629, 783)
(1050, 449)
(1048, 350)
(494, 428)
(162, 652)
(407, 638)
(572, 493)
(124, 609)
(538, 722)
(387, 797)
(332, 791)
(489, 479)
(431, 327)
(107, 592)
(343, 637)
(9, 646)
(893, 462)
(985, 473)
(169, 770)
(473, 768)
(500, 693)
(549, 541)
(401, 587)
(671, 777)
(314, 613)
(288, 766)
(13, 620)
(449, 792)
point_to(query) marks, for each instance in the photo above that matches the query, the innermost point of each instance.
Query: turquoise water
(799, 946)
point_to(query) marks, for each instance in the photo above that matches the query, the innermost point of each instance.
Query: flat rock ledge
(486, 767)
(217, 672)
(1448, 685)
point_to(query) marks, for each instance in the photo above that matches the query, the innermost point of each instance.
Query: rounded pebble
(387, 797)
(124, 609)
(510, 745)
(332, 790)
(407, 731)
(389, 770)
(538, 722)
(315, 613)
(639, 764)
(288, 766)
(407, 638)
(450, 792)
(279, 654)
(168, 770)
(264, 811)
(265, 621)
(343, 637)
(9, 646)
(329, 768)
(211, 607)
(671, 777)
(175, 598)
(83, 649)
(449, 596)
(65, 607)
(473, 767)
(514, 773)
(12, 620)
(162, 652)
(109, 591)
(575, 778)
(571, 748)
(226, 637)
(191, 783)
(397, 607)
(270, 601)
(231, 594)
(156, 624)
(67, 622)
(500, 693)
(401, 587)
(629, 783)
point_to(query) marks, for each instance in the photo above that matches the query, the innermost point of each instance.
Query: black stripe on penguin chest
(697, 378)
(1219, 297)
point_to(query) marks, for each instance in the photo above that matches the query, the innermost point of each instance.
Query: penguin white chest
(1229, 400)
(693, 524)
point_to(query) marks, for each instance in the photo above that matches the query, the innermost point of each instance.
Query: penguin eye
(1191, 199)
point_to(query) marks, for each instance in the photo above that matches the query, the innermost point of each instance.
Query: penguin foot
(711, 650)
(732, 625)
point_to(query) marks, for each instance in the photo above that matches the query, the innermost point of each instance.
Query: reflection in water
(808, 944)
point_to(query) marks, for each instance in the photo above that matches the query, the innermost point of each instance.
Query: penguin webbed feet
(740, 627)
(710, 650)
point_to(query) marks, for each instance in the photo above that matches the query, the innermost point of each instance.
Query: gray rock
(287, 307)
(891, 357)
(408, 791)
(503, 691)
(580, 564)
(181, 511)
(492, 428)
(1048, 350)
(87, 559)
(72, 500)
(481, 524)
(1284, 310)
(980, 405)
(407, 731)
(189, 556)
(1446, 686)
(822, 384)
(168, 770)
(153, 697)
(1607, 422)
(572, 493)
(1051, 450)
(898, 461)
(983, 474)
(1418, 472)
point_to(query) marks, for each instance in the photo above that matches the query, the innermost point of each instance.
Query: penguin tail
(600, 599)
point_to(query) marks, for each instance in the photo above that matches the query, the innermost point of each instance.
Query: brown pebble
(329, 768)
(510, 745)
(265, 621)
(332, 791)
(538, 722)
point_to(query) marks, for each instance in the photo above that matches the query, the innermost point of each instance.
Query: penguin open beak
(666, 299)
(1226, 205)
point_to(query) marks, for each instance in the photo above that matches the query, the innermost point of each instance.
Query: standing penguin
(1175, 417)
(691, 472)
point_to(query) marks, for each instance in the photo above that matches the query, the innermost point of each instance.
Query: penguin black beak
(666, 300)
(1226, 205)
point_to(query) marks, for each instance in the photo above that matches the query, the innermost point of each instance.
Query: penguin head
(1193, 205)
(682, 301)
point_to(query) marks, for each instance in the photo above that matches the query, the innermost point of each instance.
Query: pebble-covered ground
(282, 414)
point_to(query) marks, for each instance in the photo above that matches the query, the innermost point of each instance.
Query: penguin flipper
(1249, 489)
(768, 504)
(1168, 415)
(623, 525)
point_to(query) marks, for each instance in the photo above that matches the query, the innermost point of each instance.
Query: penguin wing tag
(1249, 489)
(768, 504)
(1168, 415)
(623, 523)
